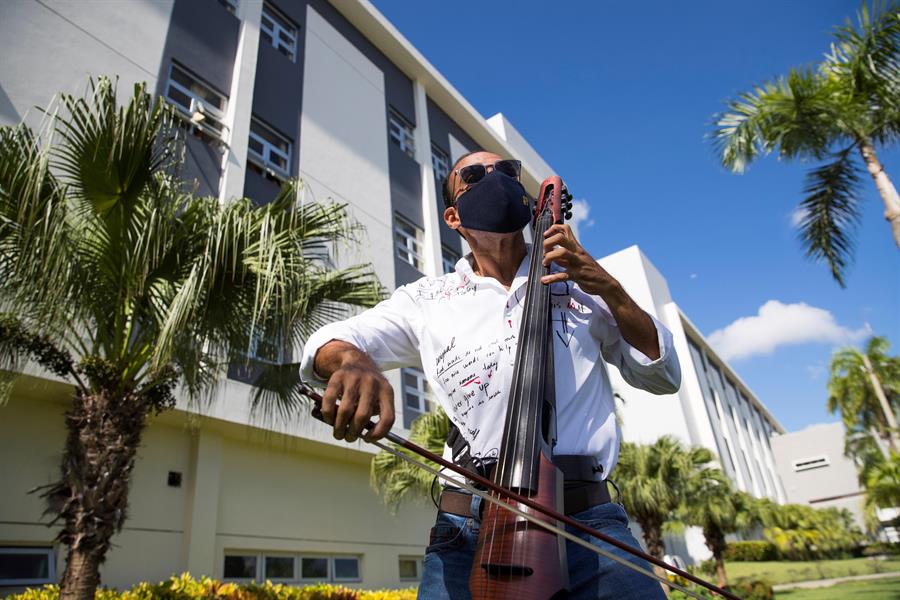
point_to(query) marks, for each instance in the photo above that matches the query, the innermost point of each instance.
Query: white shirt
(461, 330)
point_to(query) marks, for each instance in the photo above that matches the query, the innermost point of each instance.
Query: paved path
(818, 583)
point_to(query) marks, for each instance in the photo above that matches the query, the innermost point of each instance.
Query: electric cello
(521, 546)
(513, 558)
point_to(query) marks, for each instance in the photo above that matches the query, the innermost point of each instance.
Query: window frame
(265, 576)
(268, 12)
(446, 264)
(198, 105)
(47, 551)
(405, 134)
(333, 567)
(418, 562)
(422, 391)
(440, 158)
(263, 160)
(411, 244)
(254, 555)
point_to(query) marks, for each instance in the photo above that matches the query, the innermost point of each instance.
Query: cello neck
(529, 430)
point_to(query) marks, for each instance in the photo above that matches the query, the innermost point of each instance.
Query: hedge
(755, 551)
(746, 589)
(185, 587)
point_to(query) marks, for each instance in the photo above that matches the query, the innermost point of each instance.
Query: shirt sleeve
(386, 332)
(660, 376)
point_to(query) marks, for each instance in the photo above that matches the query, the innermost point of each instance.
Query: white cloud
(693, 276)
(581, 211)
(777, 324)
(797, 215)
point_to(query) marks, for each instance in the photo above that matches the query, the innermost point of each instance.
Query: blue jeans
(448, 558)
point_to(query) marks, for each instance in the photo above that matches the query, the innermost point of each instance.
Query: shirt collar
(464, 269)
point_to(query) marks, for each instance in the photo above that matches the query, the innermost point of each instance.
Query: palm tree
(118, 281)
(853, 389)
(396, 479)
(883, 483)
(801, 532)
(655, 480)
(848, 105)
(718, 510)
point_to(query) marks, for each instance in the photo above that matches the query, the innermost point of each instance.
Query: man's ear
(451, 217)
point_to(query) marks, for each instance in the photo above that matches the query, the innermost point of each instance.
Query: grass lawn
(788, 572)
(878, 589)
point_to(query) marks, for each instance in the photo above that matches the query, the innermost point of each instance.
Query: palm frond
(831, 213)
(277, 387)
(794, 116)
(395, 479)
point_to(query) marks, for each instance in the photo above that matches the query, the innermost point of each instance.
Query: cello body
(514, 558)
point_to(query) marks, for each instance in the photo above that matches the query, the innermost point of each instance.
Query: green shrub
(185, 587)
(753, 551)
(879, 548)
(752, 589)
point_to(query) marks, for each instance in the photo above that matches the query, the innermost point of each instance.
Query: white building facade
(332, 93)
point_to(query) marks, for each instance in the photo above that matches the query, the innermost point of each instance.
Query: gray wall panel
(203, 36)
(261, 190)
(278, 90)
(406, 185)
(440, 125)
(398, 87)
(405, 273)
(203, 164)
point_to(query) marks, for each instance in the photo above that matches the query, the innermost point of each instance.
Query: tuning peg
(568, 215)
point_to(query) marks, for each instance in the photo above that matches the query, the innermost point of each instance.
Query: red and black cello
(515, 558)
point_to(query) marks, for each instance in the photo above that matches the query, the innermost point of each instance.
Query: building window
(269, 151)
(260, 567)
(27, 566)
(401, 133)
(416, 395)
(280, 568)
(329, 568)
(201, 106)
(410, 568)
(408, 242)
(814, 462)
(230, 5)
(240, 567)
(346, 569)
(449, 258)
(441, 164)
(278, 31)
(730, 455)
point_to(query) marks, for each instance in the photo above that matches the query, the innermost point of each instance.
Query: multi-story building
(332, 93)
(815, 470)
(714, 408)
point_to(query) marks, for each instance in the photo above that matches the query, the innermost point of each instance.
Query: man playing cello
(461, 330)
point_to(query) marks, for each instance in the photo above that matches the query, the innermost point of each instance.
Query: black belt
(580, 492)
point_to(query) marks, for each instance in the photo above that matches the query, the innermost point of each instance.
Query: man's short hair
(445, 189)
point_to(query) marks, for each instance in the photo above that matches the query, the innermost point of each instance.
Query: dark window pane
(314, 568)
(25, 565)
(240, 567)
(346, 568)
(281, 567)
(408, 569)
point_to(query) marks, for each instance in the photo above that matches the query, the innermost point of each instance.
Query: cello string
(548, 526)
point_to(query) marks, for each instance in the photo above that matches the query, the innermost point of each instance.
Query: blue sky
(618, 98)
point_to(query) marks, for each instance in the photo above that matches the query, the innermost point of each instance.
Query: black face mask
(497, 203)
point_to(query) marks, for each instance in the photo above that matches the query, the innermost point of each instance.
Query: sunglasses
(474, 173)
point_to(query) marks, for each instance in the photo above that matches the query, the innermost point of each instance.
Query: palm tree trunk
(882, 399)
(721, 576)
(655, 547)
(104, 432)
(887, 190)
